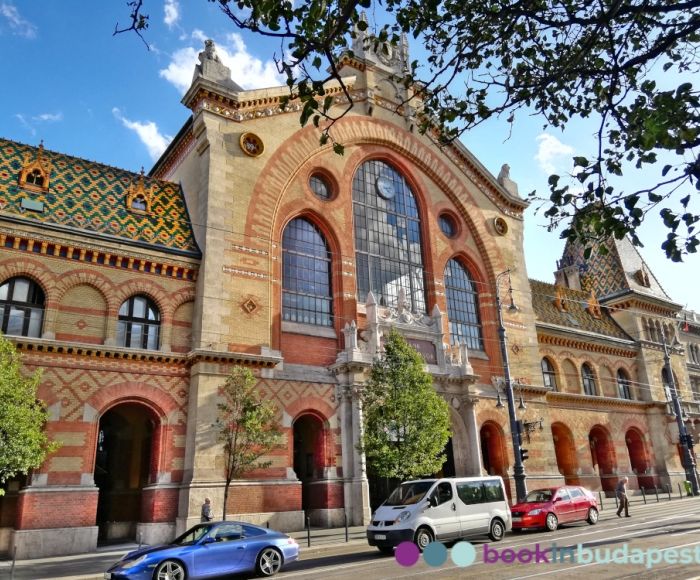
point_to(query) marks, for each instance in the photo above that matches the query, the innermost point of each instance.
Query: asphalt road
(655, 531)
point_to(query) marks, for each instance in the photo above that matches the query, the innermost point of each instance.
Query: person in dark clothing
(621, 493)
(206, 510)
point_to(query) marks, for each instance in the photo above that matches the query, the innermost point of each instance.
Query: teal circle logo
(435, 554)
(463, 554)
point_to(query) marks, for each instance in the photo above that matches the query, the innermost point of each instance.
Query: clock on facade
(385, 187)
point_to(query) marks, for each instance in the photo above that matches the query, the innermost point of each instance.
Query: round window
(448, 225)
(320, 186)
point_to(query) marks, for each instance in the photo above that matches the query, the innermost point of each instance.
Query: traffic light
(523, 454)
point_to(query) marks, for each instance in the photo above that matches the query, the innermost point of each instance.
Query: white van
(445, 509)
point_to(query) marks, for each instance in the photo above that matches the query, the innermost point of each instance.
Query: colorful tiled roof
(91, 197)
(572, 311)
(622, 269)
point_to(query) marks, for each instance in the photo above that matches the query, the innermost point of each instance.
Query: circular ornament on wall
(251, 145)
(500, 225)
(385, 187)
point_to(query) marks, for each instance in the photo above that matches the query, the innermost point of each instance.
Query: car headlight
(534, 512)
(402, 517)
(133, 563)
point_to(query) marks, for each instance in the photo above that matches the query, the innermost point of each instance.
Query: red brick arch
(35, 271)
(74, 278)
(178, 299)
(147, 288)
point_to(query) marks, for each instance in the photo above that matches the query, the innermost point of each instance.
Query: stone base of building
(29, 544)
(154, 534)
(327, 518)
(5, 540)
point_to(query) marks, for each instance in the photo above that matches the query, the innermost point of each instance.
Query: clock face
(385, 187)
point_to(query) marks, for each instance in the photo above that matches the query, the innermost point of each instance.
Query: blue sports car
(208, 550)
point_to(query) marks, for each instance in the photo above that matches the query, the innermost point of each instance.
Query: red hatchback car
(547, 508)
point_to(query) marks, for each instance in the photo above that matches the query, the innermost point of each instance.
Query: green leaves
(406, 423)
(23, 443)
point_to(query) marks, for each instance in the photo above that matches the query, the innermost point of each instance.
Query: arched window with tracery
(549, 377)
(623, 385)
(462, 306)
(307, 295)
(388, 250)
(21, 307)
(588, 380)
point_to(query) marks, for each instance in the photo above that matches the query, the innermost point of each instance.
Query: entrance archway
(639, 458)
(122, 468)
(565, 451)
(309, 455)
(494, 456)
(603, 456)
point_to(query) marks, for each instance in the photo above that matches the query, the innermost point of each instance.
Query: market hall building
(250, 244)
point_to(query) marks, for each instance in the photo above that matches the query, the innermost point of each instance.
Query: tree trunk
(228, 483)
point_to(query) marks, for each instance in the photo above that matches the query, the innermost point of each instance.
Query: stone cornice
(555, 335)
(636, 302)
(81, 252)
(584, 401)
(202, 355)
(41, 345)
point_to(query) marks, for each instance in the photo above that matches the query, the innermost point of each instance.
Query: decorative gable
(138, 198)
(35, 174)
(593, 307)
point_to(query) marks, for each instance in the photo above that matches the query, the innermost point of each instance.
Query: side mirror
(433, 501)
(208, 540)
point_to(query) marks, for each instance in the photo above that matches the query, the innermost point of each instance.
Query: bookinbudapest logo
(463, 554)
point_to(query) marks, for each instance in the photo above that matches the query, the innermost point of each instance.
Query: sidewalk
(90, 565)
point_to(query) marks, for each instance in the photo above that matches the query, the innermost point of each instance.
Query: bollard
(308, 531)
(600, 500)
(345, 521)
(267, 524)
(14, 558)
(656, 491)
(668, 491)
(644, 497)
(680, 493)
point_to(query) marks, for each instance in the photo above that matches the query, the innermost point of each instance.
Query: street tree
(406, 424)
(247, 426)
(623, 66)
(23, 443)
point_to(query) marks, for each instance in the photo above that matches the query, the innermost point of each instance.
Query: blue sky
(107, 98)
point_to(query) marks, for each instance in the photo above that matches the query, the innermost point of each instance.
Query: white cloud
(172, 13)
(148, 132)
(17, 23)
(247, 71)
(48, 117)
(551, 152)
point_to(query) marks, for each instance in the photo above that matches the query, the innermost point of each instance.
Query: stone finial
(350, 333)
(593, 305)
(504, 179)
(360, 39)
(212, 69)
(464, 358)
(560, 299)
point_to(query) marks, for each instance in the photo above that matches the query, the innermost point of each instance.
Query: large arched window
(588, 380)
(22, 307)
(462, 306)
(139, 324)
(306, 275)
(548, 375)
(388, 250)
(623, 385)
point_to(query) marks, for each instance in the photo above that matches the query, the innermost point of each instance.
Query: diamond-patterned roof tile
(86, 195)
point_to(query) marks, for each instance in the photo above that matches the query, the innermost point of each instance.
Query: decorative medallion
(252, 145)
(500, 225)
(249, 306)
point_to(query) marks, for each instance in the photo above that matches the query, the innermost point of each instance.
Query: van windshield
(408, 493)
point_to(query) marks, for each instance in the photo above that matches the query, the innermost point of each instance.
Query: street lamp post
(518, 467)
(684, 437)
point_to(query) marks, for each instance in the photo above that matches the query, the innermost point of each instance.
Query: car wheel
(170, 570)
(423, 537)
(551, 523)
(592, 516)
(269, 562)
(386, 550)
(497, 530)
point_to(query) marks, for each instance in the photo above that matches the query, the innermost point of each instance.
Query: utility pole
(685, 438)
(518, 466)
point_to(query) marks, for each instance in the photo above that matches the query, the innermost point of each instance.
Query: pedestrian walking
(621, 493)
(206, 510)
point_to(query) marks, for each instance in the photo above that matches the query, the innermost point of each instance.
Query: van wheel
(551, 523)
(592, 516)
(423, 537)
(497, 530)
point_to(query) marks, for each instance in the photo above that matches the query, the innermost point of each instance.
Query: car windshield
(192, 535)
(539, 496)
(408, 493)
